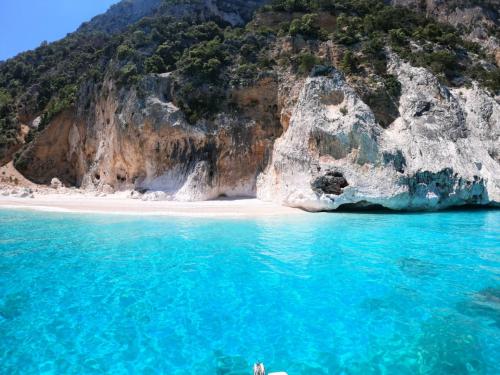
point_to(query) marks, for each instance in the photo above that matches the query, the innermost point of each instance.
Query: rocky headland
(321, 134)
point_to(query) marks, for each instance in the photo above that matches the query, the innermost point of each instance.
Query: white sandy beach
(117, 204)
(43, 198)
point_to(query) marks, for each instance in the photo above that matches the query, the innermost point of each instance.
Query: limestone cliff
(339, 106)
(442, 151)
(132, 142)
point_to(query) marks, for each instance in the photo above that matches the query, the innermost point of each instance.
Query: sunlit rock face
(307, 143)
(148, 145)
(142, 141)
(442, 151)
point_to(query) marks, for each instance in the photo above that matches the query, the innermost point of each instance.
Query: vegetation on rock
(208, 56)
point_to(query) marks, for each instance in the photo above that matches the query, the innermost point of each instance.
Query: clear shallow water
(321, 294)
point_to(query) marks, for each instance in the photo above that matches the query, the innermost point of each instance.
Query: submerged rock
(488, 298)
(449, 345)
(485, 303)
(13, 305)
(417, 268)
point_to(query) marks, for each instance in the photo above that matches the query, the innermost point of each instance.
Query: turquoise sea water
(315, 294)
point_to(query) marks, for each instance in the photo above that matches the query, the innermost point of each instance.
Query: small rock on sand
(55, 183)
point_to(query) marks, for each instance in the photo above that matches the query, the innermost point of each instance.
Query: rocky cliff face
(235, 114)
(144, 142)
(467, 13)
(442, 151)
(125, 13)
(121, 15)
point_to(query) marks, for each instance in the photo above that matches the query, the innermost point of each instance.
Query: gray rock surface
(55, 183)
(126, 12)
(312, 144)
(441, 152)
(121, 15)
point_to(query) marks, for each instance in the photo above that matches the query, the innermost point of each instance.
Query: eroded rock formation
(442, 151)
(322, 149)
(144, 142)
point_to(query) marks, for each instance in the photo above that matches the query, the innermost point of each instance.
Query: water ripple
(318, 294)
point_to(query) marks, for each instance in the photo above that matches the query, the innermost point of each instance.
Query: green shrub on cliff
(200, 102)
(64, 100)
(398, 37)
(154, 64)
(307, 26)
(124, 52)
(290, 5)
(443, 63)
(245, 73)
(392, 86)
(129, 74)
(306, 61)
(373, 53)
(349, 62)
(6, 102)
(204, 60)
(488, 78)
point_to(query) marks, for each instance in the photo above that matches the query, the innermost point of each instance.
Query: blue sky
(24, 24)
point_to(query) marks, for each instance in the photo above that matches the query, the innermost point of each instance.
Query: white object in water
(259, 369)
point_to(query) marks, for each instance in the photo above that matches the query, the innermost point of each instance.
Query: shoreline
(16, 192)
(120, 205)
